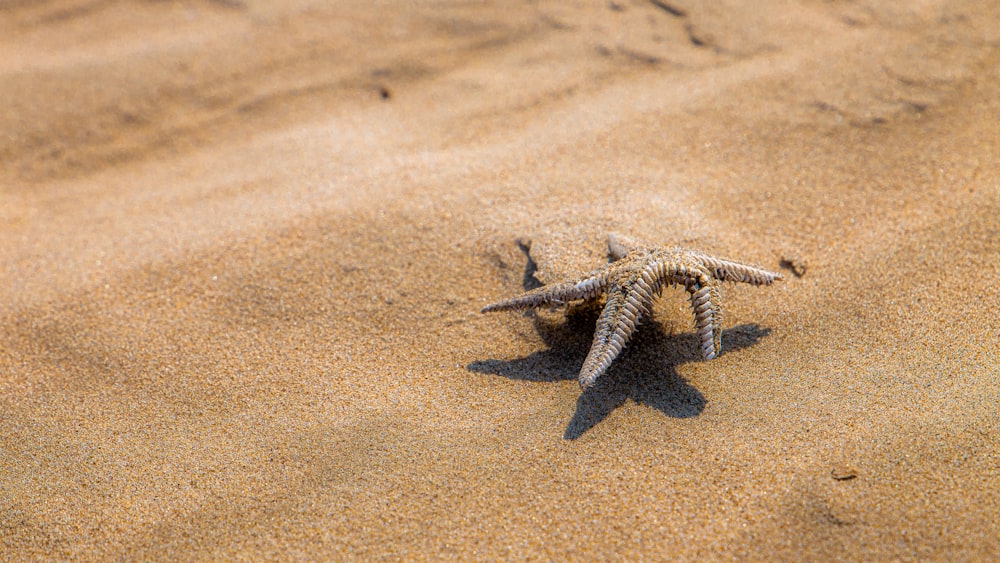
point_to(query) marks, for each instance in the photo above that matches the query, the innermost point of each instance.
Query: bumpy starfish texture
(634, 277)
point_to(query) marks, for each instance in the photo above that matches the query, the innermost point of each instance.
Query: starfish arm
(620, 245)
(728, 270)
(624, 309)
(674, 268)
(554, 294)
(706, 303)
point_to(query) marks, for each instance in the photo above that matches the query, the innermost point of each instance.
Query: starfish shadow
(646, 371)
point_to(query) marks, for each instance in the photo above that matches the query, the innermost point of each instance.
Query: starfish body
(635, 276)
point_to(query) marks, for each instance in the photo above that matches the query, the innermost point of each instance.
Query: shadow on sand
(646, 371)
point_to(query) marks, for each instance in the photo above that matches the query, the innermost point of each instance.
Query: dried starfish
(635, 275)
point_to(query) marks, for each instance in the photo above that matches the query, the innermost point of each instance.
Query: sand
(244, 245)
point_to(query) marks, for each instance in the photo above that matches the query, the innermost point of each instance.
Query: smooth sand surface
(244, 245)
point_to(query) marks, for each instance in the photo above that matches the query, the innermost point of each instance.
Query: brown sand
(243, 248)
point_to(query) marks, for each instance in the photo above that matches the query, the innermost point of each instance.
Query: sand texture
(244, 246)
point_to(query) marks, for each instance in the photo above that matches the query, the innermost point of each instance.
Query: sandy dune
(244, 245)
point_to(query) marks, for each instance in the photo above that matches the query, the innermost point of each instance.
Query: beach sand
(244, 246)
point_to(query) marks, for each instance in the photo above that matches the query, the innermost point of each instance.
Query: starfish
(634, 276)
